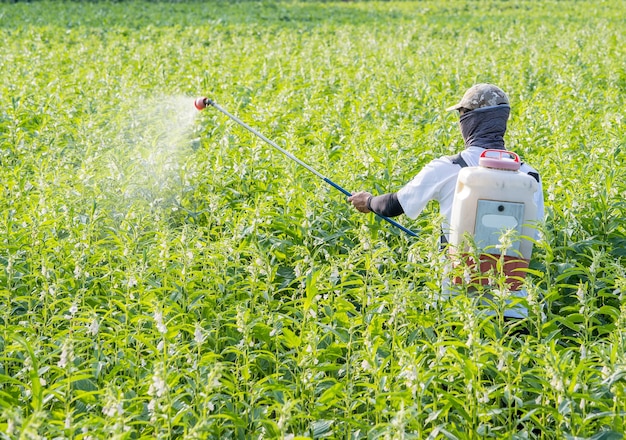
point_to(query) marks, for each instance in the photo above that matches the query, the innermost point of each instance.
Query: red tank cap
(499, 159)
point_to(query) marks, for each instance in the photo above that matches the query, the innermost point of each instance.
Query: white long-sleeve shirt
(437, 181)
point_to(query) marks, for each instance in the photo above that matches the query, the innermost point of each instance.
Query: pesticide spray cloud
(162, 130)
(164, 126)
(170, 119)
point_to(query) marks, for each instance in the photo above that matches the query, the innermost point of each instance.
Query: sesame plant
(164, 274)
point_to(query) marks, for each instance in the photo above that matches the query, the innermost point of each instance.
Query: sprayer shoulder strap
(534, 176)
(457, 159)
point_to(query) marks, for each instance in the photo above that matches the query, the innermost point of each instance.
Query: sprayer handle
(500, 154)
(499, 159)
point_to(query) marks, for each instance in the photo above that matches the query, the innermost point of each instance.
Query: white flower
(158, 318)
(580, 294)
(198, 334)
(112, 407)
(467, 276)
(94, 327)
(484, 398)
(441, 351)
(501, 364)
(158, 387)
(409, 374)
(502, 294)
(67, 354)
(241, 320)
(334, 275)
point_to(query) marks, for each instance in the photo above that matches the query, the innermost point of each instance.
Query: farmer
(483, 114)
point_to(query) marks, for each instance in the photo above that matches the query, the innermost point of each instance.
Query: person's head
(483, 114)
(479, 96)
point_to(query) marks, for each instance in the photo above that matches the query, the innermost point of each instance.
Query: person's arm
(387, 204)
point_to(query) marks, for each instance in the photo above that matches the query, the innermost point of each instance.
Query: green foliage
(165, 274)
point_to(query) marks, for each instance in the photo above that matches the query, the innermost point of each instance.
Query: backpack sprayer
(489, 200)
(202, 103)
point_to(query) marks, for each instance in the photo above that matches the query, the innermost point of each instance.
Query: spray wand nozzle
(202, 103)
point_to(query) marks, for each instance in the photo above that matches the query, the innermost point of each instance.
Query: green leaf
(290, 338)
(321, 428)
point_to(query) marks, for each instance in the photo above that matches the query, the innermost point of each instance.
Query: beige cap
(481, 95)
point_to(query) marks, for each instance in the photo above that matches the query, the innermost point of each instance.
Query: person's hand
(359, 201)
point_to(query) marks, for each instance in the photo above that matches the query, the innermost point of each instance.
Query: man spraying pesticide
(483, 192)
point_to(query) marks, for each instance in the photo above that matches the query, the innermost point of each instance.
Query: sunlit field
(166, 274)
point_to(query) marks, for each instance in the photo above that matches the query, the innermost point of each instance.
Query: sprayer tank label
(493, 218)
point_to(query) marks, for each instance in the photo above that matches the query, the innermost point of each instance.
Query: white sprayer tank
(489, 200)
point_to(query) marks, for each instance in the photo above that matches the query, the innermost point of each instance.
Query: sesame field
(166, 274)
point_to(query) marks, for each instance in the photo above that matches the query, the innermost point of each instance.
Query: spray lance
(202, 103)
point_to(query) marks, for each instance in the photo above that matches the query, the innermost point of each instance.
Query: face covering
(485, 127)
